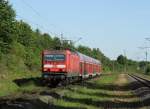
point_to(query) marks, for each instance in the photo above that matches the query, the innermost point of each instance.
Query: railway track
(144, 81)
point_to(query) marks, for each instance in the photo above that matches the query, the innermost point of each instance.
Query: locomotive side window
(54, 57)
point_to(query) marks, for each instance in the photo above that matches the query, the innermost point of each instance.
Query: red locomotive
(67, 65)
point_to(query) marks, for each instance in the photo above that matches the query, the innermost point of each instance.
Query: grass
(86, 95)
(96, 93)
(8, 86)
(107, 91)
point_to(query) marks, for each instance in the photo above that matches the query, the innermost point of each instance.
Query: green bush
(147, 71)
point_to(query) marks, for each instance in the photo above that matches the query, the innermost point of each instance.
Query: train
(67, 65)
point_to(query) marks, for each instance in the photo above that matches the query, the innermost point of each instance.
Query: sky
(115, 26)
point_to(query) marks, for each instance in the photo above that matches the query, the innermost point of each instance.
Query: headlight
(48, 66)
(61, 66)
(45, 69)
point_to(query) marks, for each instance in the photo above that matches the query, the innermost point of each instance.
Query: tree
(85, 50)
(56, 43)
(147, 70)
(7, 19)
(24, 33)
(121, 59)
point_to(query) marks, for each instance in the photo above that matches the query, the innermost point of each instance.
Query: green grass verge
(86, 95)
(8, 86)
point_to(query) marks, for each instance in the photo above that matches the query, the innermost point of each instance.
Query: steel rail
(144, 81)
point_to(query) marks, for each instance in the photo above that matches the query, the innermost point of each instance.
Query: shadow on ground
(26, 81)
(29, 104)
(134, 86)
(22, 103)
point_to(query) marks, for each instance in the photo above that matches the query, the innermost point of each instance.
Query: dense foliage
(20, 46)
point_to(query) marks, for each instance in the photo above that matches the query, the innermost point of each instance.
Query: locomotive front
(54, 65)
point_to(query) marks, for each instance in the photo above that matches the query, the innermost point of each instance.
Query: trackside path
(109, 91)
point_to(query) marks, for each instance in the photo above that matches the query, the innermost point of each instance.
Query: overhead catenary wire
(43, 19)
(138, 55)
(146, 55)
(34, 10)
(36, 24)
(39, 15)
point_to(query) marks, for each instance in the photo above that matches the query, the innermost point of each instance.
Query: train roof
(83, 57)
(88, 59)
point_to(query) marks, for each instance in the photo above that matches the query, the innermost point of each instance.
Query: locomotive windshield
(54, 57)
